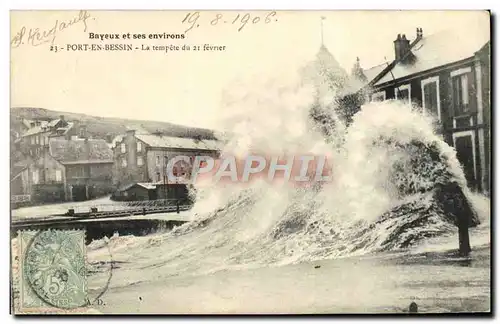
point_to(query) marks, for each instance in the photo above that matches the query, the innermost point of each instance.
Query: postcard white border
(199, 4)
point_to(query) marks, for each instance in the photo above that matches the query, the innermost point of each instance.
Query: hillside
(99, 127)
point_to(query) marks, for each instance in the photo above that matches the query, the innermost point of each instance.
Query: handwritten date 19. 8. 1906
(195, 19)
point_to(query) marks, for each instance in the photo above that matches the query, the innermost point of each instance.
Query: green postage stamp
(52, 272)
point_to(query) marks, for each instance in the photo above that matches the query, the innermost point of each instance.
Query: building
(51, 163)
(143, 158)
(151, 191)
(37, 135)
(448, 75)
(71, 170)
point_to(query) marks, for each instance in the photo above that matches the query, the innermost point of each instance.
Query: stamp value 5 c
(53, 272)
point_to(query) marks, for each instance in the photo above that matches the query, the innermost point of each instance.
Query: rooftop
(80, 151)
(437, 50)
(48, 126)
(145, 185)
(37, 129)
(178, 142)
(324, 70)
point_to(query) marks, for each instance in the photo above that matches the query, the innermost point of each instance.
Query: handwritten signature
(36, 36)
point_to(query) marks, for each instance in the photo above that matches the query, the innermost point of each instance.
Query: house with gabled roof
(38, 133)
(448, 75)
(72, 170)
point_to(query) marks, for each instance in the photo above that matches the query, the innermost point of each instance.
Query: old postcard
(250, 162)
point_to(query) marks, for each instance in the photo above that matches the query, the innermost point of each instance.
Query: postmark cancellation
(51, 272)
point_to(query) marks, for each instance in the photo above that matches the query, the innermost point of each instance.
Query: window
(158, 178)
(124, 163)
(36, 178)
(139, 147)
(42, 140)
(165, 161)
(33, 140)
(403, 93)
(58, 175)
(378, 96)
(140, 161)
(123, 148)
(78, 171)
(430, 97)
(157, 160)
(37, 139)
(460, 87)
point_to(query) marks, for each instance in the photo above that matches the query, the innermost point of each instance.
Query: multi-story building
(71, 170)
(36, 137)
(143, 158)
(58, 162)
(448, 75)
(85, 167)
(66, 170)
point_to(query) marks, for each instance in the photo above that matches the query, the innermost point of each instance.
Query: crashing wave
(396, 183)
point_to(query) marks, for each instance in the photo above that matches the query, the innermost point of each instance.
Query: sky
(186, 87)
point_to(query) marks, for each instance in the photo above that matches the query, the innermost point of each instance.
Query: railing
(132, 206)
(20, 198)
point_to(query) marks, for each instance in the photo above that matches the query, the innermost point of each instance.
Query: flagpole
(322, 18)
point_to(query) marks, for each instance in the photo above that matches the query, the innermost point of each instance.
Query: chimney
(158, 133)
(130, 132)
(83, 131)
(61, 117)
(420, 34)
(402, 50)
(37, 123)
(87, 149)
(32, 124)
(109, 138)
(401, 47)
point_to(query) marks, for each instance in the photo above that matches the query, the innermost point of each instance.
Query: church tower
(324, 72)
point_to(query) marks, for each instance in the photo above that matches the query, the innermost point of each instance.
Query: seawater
(381, 161)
